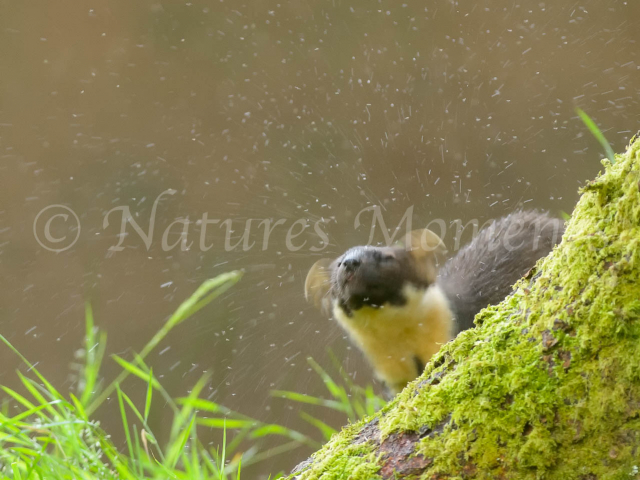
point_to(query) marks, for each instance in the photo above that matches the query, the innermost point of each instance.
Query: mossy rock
(546, 387)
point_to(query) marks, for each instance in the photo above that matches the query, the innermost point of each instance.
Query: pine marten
(399, 308)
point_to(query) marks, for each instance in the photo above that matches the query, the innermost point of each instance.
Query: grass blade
(595, 131)
(326, 431)
(308, 399)
(147, 403)
(131, 368)
(125, 423)
(94, 353)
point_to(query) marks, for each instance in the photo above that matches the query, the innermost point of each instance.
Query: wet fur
(399, 341)
(484, 271)
(423, 311)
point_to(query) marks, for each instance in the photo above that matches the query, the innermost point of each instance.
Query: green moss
(548, 385)
(341, 458)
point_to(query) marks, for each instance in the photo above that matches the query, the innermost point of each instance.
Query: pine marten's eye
(388, 257)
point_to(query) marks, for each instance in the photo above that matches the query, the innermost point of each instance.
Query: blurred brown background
(270, 109)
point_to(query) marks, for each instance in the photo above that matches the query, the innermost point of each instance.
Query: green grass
(595, 131)
(347, 398)
(47, 435)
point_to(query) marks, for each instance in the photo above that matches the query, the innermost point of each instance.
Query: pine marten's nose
(351, 264)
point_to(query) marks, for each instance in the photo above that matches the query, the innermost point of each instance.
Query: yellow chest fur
(395, 338)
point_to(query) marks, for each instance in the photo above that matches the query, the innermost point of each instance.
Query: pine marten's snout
(374, 277)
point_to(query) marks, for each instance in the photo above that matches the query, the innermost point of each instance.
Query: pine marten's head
(385, 299)
(374, 277)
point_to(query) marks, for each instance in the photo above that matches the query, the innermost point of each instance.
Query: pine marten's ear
(425, 247)
(318, 284)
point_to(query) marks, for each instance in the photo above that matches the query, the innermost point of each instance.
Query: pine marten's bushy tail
(484, 271)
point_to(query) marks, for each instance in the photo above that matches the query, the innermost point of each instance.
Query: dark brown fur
(483, 272)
